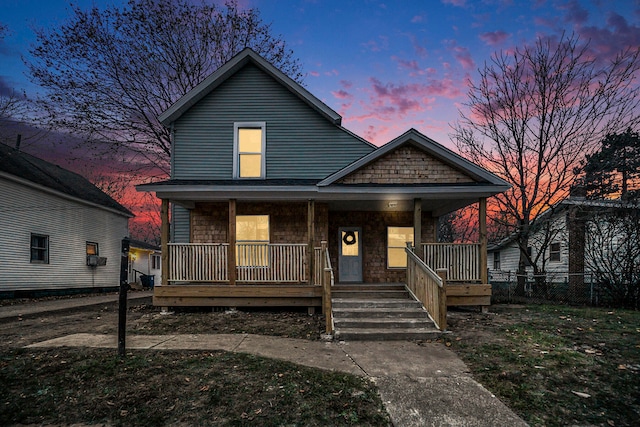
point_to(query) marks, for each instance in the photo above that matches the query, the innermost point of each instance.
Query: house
(562, 247)
(144, 263)
(58, 232)
(268, 192)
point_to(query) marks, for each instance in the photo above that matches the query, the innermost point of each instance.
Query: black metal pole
(122, 306)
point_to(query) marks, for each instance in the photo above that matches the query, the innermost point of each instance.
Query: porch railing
(281, 263)
(198, 262)
(429, 287)
(255, 262)
(461, 260)
(318, 268)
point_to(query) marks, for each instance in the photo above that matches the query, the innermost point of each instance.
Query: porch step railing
(461, 260)
(429, 287)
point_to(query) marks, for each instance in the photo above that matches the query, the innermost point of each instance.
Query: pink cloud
(576, 14)
(341, 94)
(377, 45)
(314, 74)
(493, 38)
(463, 56)
(417, 19)
(346, 84)
(420, 50)
(606, 42)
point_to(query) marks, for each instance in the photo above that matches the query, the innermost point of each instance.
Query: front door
(350, 254)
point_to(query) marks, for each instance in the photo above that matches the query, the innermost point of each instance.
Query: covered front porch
(292, 274)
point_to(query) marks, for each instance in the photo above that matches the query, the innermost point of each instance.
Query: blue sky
(385, 66)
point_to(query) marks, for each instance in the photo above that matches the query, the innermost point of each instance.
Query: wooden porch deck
(254, 295)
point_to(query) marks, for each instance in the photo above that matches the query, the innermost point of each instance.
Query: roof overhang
(436, 199)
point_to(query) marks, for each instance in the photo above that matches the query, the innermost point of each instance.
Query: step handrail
(429, 287)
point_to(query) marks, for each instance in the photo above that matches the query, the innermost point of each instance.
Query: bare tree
(533, 114)
(110, 73)
(612, 255)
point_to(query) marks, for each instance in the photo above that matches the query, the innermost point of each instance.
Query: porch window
(554, 252)
(39, 249)
(252, 240)
(397, 239)
(249, 150)
(496, 260)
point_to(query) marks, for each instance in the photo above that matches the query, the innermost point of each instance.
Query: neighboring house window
(39, 249)
(554, 252)
(252, 240)
(92, 248)
(397, 239)
(155, 262)
(496, 260)
(249, 150)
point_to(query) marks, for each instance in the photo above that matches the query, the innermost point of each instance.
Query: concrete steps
(379, 313)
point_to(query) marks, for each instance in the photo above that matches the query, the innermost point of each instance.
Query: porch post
(417, 228)
(311, 219)
(231, 255)
(164, 241)
(482, 220)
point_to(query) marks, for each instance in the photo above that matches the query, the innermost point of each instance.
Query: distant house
(144, 263)
(58, 232)
(559, 244)
(268, 192)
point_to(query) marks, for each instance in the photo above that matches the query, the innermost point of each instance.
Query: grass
(67, 386)
(556, 366)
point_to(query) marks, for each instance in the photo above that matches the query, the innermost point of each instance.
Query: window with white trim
(496, 260)
(249, 150)
(397, 239)
(252, 240)
(39, 249)
(155, 262)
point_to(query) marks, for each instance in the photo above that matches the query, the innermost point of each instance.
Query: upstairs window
(39, 249)
(249, 150)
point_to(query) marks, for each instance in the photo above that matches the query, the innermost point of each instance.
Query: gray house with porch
(272, 199)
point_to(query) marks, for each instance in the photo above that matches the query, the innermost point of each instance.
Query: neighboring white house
(58, 232)
(562, 232)
(144, 260)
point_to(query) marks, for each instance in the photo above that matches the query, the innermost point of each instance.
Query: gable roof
(53, 177)
(229, 69)
(427, 145)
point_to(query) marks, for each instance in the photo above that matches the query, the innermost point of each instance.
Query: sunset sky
(385, 66)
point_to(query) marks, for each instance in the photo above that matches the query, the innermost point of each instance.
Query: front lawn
(555, 365)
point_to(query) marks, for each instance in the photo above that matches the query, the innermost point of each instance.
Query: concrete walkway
(419, 385)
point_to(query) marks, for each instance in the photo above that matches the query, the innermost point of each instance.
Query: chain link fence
(558, 287)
